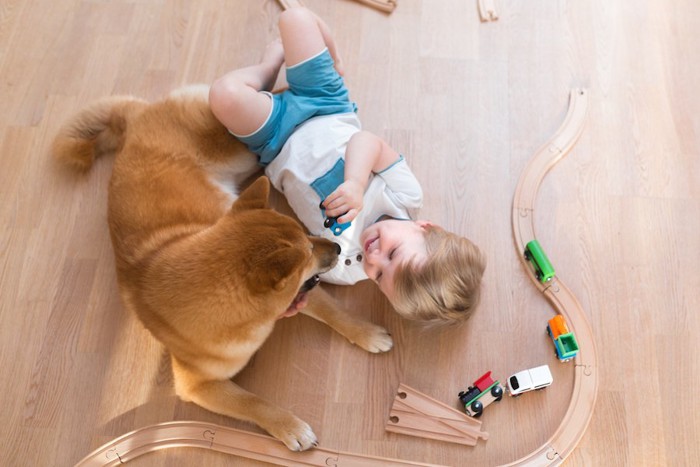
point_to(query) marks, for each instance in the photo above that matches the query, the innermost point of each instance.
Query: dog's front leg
(369, 336)
(227, 398)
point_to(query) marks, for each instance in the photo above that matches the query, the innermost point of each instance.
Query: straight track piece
(487, 11)
(425, 405)
(416, 414)
(386, 6)
(287, 4)
(417, 425)
(464, 427)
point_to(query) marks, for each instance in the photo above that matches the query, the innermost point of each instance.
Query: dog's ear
(256, 196)
(279, 267)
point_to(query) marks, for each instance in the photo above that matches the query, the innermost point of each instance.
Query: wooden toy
(585, 389)
(227, 440)
(529, 380)
(564, 340)
(386, 6)
(487, 11)
(415, 414)
(480, 395)
(536, 256)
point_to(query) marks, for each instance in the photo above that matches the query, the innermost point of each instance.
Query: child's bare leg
(235, 98)
(304, 35)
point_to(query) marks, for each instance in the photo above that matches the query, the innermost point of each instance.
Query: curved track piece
(585, 389)
(226, 440)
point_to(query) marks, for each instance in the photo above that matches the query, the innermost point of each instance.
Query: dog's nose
(337, 248)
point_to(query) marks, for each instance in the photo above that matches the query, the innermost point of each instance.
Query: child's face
(387, 244)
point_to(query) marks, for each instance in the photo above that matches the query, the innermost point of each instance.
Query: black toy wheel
(497, 393)
(477, 409)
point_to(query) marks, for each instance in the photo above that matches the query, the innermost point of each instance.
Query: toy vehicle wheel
(478, 408)
(497, 393)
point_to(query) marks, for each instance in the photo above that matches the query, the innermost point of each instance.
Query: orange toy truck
(564, 341)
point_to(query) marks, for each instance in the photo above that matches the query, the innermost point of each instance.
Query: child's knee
(223, 95)
(296, 15)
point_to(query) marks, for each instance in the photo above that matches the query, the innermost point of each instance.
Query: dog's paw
(295, 433)
(374, 339)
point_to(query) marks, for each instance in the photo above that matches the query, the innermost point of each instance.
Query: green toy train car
(539, 261)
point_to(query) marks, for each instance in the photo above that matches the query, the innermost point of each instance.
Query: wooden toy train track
(585, 390)
(227, 440)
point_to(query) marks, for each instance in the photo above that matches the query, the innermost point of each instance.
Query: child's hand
(345, 201)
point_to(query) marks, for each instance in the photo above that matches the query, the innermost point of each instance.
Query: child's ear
(254, 197)
(424, 223)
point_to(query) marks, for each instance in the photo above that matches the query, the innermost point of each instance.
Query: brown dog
(207, 274)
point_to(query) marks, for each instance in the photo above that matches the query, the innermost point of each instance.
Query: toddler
(344, 183)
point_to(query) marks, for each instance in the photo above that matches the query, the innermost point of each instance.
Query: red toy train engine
(482, 393)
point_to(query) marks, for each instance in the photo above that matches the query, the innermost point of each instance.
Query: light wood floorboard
(468, 103)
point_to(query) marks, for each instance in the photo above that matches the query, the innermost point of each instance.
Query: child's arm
(365, 153)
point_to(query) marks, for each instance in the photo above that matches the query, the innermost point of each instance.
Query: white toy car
(527, 380)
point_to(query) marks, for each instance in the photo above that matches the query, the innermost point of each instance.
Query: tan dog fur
(206, 271)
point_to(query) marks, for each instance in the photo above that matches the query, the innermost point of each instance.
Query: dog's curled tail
(97, 129)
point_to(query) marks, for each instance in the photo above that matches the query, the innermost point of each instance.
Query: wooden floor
(468, 103)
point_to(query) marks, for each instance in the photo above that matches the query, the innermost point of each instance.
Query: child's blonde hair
(446, 287)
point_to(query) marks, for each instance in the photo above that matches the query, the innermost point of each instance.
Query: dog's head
(282, 261)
